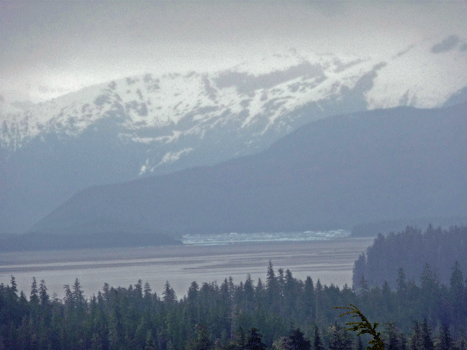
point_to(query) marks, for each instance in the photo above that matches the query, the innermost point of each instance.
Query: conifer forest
(233, 175)
(281, 312)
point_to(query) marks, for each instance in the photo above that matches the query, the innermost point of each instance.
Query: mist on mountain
(330, 174)
(126, 91)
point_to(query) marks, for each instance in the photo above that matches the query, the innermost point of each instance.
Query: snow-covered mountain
(154, 124)
(163, 110)
(384, 165)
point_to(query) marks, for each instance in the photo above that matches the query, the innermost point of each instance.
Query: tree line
(280, 313)
(410, 250)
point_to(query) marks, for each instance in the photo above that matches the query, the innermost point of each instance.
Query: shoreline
(331, 261)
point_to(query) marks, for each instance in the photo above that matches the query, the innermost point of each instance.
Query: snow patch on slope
(419, 77)
(150, 109)
(169, 157)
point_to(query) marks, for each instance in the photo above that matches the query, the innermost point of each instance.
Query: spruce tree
(168, 294)
(297, 341)
(392, 339)
(426, 336)
(416, 339)
(339, 339)
(272, 287)
(34, 296)
(445, 340)
(457, 293)
(317, 343)
(14, 286)
(201, 340)
(43, 296)
(401, 284)
(359, 345)
(309, 300)
(254, 341)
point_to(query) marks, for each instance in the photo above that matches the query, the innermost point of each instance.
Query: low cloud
(52, 48)
(446, 45)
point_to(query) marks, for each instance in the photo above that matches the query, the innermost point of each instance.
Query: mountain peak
(152, 123)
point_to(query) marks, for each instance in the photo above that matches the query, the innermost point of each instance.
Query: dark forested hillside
(371, 229)
(330, 174)
(281, 312)
(410, 253)
(40, 241)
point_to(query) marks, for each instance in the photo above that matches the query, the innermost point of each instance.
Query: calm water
(331, 261)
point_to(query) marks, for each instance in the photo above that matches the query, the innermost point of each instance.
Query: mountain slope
(156, 124)
(332, 173)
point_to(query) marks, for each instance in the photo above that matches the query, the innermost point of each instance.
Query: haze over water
(330, 261)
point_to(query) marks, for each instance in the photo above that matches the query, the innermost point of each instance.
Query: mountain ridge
(330, 174)
(157, 124)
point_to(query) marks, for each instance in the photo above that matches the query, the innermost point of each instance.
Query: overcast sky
(48, 48)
